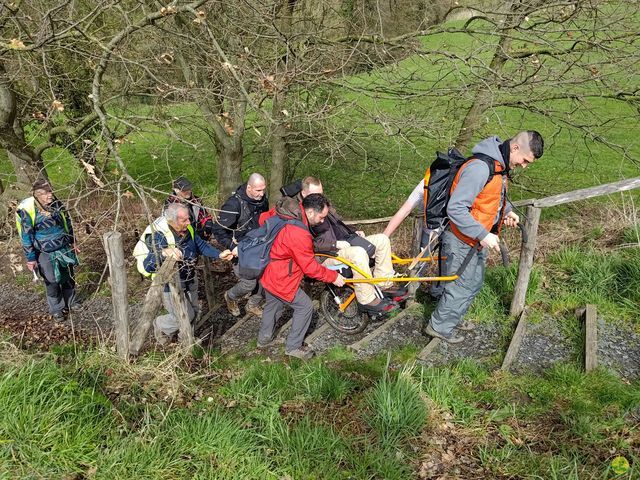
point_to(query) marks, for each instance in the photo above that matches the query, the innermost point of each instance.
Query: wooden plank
(283, 329)
(526, 260)
(152, 303)
(179, 301)
(590, 338)
(317, 332)
(377, 332)
(430, 347)
(567, 197)
(586, 193)
(118, 273)
(516, 341)
(237, 325)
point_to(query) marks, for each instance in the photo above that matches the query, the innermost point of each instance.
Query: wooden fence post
(118, 273)
(590, 338)
(417, 236)
(526, 260)
(416, 240)
(152, 303)
(178, 300)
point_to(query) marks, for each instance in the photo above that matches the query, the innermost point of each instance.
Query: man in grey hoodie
(477, 208)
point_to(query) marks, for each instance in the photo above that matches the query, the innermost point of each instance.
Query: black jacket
(240, 215)
(330, 231)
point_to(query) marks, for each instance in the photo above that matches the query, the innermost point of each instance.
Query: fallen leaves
(57, 105)
(16, 44)
(170, 10)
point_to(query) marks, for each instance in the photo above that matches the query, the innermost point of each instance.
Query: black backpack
(438, 180)
(255, 247)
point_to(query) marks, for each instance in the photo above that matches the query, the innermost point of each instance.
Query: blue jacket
(48, 232)
(191, 249)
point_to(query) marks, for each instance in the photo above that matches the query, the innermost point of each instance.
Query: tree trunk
(28, 166)
(229, 167)
(279, 150)
(482, 100)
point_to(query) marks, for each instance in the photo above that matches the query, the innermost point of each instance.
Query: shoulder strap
(491, 163)
(297, 223)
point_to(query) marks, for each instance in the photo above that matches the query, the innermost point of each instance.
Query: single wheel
(351, 321)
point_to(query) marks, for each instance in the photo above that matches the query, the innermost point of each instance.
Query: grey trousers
(168, 323)
(458, 295)
(246, 286)
(59, 295)
(302, 313)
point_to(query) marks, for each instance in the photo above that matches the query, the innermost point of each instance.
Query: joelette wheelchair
(338, 305)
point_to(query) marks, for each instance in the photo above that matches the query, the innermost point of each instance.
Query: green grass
(578, 275)
(397, 410)
(64, 415)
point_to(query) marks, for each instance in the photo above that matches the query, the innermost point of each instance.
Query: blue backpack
(255, 247)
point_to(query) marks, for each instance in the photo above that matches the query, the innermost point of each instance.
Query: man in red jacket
(292, 257)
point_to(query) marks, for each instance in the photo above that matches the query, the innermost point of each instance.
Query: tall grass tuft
(397, 408)
(320, 383)
(50, 425)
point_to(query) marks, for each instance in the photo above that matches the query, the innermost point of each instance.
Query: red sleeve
(303, 256)
(265, 215)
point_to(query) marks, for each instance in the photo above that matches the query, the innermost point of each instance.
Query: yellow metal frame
(369, 279)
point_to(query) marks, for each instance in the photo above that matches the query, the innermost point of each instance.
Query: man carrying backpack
(239, 215)
(476, 209)
(291, 258)
(47, 240)
(173, 236)
(201, 220)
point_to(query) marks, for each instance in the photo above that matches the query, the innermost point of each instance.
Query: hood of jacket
(289, 207)
(491, 146)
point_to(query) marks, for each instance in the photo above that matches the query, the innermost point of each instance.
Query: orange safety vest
(486, 205)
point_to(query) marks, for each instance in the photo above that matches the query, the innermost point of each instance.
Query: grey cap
(182, 184)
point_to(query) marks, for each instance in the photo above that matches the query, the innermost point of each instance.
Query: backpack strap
(490, 161)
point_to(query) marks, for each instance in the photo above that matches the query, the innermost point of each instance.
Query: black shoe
(396, 294)
(384, 307)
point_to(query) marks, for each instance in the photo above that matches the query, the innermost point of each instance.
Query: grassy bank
(93, 417)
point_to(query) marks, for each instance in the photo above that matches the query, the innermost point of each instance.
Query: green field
(336, 418)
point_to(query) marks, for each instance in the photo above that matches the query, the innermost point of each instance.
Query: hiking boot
(428, 330)
(266, 343)
(254, 309)
(305, 352)
(466, 326)
(384, 307)
(58, 317)
(232, 305)
(396, 294)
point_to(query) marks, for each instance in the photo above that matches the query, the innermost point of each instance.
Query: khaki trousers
(365, 292)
